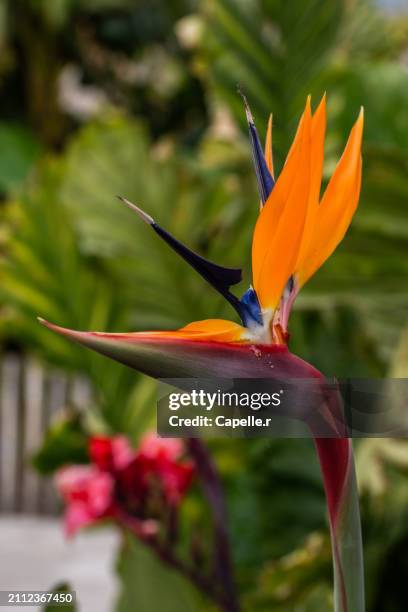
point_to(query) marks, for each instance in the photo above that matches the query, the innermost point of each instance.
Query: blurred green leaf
(62, 588)
(298, 582)
(282, 472)
(399, 363)
(275, 50)
(317, 325)
(57, 13)
(65, 442)
(19, 151)
(148, 585)
(46, 275)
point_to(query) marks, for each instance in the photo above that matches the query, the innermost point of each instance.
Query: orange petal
(338, 205)
(268, 147)
(271, 212)
(317, 158)
(210, 329)
(298, 132)
(279, 228)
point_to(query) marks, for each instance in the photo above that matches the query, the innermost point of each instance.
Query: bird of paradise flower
(295, 233)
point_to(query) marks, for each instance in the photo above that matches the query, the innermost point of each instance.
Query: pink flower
(153, 446)
(88, 493)
(110, 453)
(175, 475)
(176, 478)
(129, 486)
(77, 516)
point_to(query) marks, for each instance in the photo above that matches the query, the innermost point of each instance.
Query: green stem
(338, 471)
(348, 549)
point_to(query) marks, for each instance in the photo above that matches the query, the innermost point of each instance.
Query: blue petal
(251, 309)
(263, 176)
(219, 277)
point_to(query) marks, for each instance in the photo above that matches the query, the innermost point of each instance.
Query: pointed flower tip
(51, 326)
(142, 214)
(359, 123)
(323, 102)
(65, 331)
(358, 127)
(248, 113)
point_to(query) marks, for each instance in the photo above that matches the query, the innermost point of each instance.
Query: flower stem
(345, 527)
(213, 491)
(350, 548)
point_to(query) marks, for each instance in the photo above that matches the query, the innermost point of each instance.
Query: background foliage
(106, 97)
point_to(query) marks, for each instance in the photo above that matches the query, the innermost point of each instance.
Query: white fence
(30, 397)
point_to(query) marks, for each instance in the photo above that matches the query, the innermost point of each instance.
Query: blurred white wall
(35, 555)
